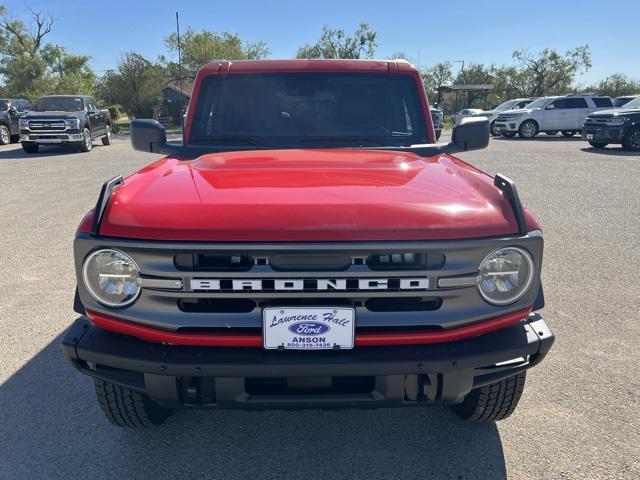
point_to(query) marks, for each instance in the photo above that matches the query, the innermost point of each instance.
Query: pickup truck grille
(191, 286)
(599, 120)
(47, 126)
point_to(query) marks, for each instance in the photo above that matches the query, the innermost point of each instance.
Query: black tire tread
(128, 408)
(492, 402)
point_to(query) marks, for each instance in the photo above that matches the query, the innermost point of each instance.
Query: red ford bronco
(308, 244)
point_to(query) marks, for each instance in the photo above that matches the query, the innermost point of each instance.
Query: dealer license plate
(309, 328)
(589, 136)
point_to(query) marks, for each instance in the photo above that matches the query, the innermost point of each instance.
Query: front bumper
(51, 138)
(603, 133)
(179, 376)
(510, 125)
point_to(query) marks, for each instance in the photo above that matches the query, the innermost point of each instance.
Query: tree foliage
(549, 72)
(336, 43)
(435, 77)
(31, 68)
(136, 84)
(199, 48)
(617, 85)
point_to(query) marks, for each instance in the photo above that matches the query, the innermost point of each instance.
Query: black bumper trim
(448, 370)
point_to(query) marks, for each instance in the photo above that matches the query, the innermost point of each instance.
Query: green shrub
(116, 111)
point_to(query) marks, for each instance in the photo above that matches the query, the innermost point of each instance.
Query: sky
(426, 31)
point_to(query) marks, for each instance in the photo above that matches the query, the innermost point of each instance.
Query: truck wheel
(438, 133)
(127, 408)
(492, 402)
(509, 134)
(87, 143)
(5, 136)
(569, 133)
(528, 129)
(551, 133)
(106, 140)
(492, 129)
(598, 144)
(30, 147)
(632, 140)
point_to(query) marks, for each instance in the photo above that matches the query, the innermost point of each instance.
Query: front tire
(492, 402)
(127, 408)
(632, 140)
(528, 129)
(5, 135)
(30, 147)
(106, 140)
(87, 143)
(569, 133)
(598, 144)
(492, 129)
(552, 133)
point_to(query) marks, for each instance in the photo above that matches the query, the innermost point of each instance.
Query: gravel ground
(578, 417)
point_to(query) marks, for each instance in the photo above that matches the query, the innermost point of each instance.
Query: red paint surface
(155, 335)
(309, 195)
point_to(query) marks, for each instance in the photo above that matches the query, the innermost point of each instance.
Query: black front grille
(44, 125)
(213, 262)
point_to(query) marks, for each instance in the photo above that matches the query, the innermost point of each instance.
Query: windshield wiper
(329, 138)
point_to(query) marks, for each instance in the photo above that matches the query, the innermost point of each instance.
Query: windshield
(635, 103)
(4, 105)
(58, 104)
(291, 109)
(540, 103)
(506, 105)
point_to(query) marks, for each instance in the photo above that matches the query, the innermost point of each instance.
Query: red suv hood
(308, 195)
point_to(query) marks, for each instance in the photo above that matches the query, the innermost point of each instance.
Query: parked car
(290, 253)
(65, 120)
(437, 117)
(622, 101)
(492, 115)
(10, 111)
(616, 126)
(566, 114)
(466, 112)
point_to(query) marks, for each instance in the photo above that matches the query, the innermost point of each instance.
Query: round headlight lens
(112, 278)
(505, 275)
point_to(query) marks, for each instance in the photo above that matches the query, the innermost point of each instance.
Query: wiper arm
(342, 139)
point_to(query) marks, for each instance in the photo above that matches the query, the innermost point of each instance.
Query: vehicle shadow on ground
(540, 138)
(13, 152)
(51, 427)
(612, 151)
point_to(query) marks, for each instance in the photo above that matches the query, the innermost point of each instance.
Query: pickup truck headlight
(73, 123)
(112, 278)
(616, 121)
(24, 123)
(505, 275)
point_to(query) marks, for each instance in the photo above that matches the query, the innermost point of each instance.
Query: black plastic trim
(105, 193)
(508, 187)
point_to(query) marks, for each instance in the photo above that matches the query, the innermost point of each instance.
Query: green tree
(435, 77)
(335, 43)
(30, 67)
(200, 48)
(136, 84)
(549, 72)
(616, 85)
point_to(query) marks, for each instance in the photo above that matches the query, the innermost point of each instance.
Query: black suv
(10, 111)
(618, 126)
(65, 120)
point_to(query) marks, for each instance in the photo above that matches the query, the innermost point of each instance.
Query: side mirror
(470, 133)
(13, 109)
(148, 136)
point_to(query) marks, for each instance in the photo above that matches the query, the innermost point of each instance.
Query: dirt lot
(578, 417)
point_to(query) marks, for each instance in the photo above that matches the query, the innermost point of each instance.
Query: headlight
(24, 123)
(505, 275)
(112, 278)
(616, 121)
(73, 123)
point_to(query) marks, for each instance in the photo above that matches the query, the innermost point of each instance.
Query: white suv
(551, 115)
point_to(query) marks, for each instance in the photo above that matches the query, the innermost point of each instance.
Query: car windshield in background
(58, 104)
(327, 109)
(540, 103)
(635, 103)
(4, 105)
(506, 105)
